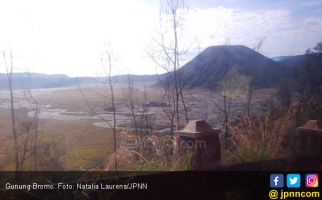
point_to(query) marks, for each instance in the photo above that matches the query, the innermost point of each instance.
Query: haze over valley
(81, 87)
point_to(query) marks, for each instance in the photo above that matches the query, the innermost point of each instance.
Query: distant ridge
(205, 70)
(293, 61)
(280, 58)
(26, 80)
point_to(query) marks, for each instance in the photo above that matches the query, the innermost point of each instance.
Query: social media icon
(311, 180)
(293, 180)
(277, 180)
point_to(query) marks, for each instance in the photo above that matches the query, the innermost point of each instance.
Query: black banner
(146, 185)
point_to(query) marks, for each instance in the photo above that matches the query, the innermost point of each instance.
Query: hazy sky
(68, 36)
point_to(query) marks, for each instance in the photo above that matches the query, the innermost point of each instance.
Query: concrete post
(203, 140)
(308, 139)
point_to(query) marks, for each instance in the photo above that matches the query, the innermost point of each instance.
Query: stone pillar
(203, 141)
(309, 138)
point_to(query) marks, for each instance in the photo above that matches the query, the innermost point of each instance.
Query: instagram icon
(311, 180)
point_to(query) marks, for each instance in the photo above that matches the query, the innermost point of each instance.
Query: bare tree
(168, 57)
(169, 108)
(232, 83)
(107, 63)
(131, 102)
(27, 122)
(246, 100)
(9, 71)
(285, 93)
(249, 97)
(31, 124)
(224, 107)
(108, 60)
(35, 137)
(24, 122)
(146, 125)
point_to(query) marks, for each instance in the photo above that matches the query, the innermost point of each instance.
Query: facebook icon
(277, 180)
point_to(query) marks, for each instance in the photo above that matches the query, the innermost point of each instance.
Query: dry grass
(261, 140)
(155, 155)
(85, 147)
(2, 156)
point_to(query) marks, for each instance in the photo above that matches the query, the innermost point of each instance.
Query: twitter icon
(293, 180)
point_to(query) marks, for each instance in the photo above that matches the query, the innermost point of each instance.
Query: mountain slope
(209, 67)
